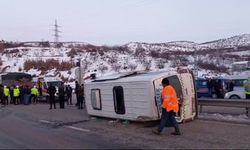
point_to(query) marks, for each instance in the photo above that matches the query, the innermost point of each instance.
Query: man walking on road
(52, 91)
(169, 108)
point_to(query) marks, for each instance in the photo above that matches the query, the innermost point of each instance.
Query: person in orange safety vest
(169, 108)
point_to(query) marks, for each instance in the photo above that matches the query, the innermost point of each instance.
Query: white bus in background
(238, 92)
(137, 96)
(46, 81)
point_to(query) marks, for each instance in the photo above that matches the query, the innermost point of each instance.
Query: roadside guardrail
(240, 103)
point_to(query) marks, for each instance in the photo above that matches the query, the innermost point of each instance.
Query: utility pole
(79, 65)
(56, 33)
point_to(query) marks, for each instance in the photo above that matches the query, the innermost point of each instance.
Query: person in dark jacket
(26, 95)
(77, 86)
(52, 91)
(210, 87)
(230, 86)
(11, 95)
(81, 96)
(61, 96)
(218, 89)
(21, 95)
(69, 94)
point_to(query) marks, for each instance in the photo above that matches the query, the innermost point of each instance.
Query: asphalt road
(33, 127)
(18, 132)
(37, 127)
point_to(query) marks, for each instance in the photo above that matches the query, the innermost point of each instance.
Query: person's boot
(156, 131)
(177, 131)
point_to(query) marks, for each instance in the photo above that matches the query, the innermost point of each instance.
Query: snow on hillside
(129, 57)
(16, 59)
(240, 40)
(168, 46)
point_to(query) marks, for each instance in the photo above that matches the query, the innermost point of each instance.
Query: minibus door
(157, 90)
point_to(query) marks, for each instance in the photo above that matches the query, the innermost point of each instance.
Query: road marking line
(79, 129)
(44, 121)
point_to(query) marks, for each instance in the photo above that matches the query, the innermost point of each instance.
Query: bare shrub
(154, 54)
(48, 65)
(212, 66)
(147, 64)
(116, 67)
(20, 69)
(165, 55)
(160, 64)
(140, 54)
(103, 68)
(72, 53)
(132, 66)
(13, 51)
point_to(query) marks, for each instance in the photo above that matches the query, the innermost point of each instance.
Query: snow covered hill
(132, 56)
(236, 41)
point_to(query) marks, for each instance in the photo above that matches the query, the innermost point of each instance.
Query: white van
(46, 81)
(238, 92)
(137, 96)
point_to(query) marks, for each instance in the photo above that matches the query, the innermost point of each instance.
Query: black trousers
(168, 118)
(77, 100)
(6, 100)
(81, 99)
(69, 99)
(52, 101)
(16, 100)
(34, 98)
(61, 101)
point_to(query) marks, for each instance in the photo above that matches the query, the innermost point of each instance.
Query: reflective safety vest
(6, 91)
(169, 98)
(16, 92)
(34, 91)
(246, 84)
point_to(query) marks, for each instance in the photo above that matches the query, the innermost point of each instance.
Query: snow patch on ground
(242, 118)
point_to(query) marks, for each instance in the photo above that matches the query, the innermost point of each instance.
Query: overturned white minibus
(136, 96)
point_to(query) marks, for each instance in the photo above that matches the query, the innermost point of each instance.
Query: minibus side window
(96, 99)
(118, 100)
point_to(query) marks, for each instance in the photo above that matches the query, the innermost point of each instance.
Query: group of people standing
(26, 95)
(216, 86)
(18, 95)
(65, 95)
(79, 91)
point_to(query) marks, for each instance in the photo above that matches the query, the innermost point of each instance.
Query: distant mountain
(188, 46)
(168, 46)
(235, 41)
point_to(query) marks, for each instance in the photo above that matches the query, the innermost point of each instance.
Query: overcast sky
(115, 22)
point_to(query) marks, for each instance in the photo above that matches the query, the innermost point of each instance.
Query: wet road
(36, 127)
(17, 131)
